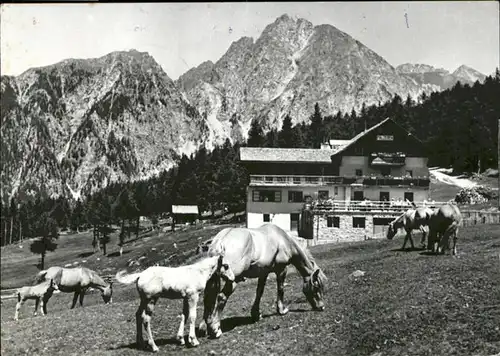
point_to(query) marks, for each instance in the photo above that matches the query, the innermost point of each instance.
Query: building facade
(359, 184)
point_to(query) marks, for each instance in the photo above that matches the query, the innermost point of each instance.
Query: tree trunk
(104, 249)
(20, 231)
(42, 261)
(129, 224)
(137, 223)
(11, 228)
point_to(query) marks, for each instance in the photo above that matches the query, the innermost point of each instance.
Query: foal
(41, 293)
(184, 282)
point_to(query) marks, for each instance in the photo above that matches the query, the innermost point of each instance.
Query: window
(323, 194)
(266, 196)
(296, 180)
(382, 221)
(358, 195)
(266, 217)
(384, 196)
(409, 196)
(359, 172)
(409, 173)
(358, 222)
(385, 171)
(336, 190)
(358, 151)
(294, 221)
(332, 221)
(295, 197)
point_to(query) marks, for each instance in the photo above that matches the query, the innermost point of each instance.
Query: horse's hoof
(256, 317)
(283, 311)
(194, 342)
(181, 341)
(218, 333)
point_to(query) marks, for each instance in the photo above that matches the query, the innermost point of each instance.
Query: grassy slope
(408, 303)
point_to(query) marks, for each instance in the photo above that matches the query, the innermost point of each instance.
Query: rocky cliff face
(74, 126)
(427, 75)
(290, 67)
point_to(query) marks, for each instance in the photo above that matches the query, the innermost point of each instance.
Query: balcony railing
(291, 180)
(386, 207)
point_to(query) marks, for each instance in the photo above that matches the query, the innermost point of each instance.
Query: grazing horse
(41, 293)
(185, 282)
(412, 219)
(77, 280)
(255, 253)
(444, 223)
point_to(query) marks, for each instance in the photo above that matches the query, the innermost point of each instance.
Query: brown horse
(255, 253)
(444, 223)
(77, 280)
(412, 219)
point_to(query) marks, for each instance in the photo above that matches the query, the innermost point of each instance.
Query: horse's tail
(40, 277)
(127, 279)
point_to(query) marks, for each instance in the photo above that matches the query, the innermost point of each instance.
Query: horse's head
(224, 270)
(53, 285)
(391, 231)
(107, 293)
(314, 288)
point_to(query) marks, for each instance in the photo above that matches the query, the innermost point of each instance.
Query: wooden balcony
(303, 180)
(368, 206)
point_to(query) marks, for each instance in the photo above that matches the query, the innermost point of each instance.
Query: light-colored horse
(444, 223)
(41, 293)
(184, 282)
(77, 280)
(412, 219)
(255, 253)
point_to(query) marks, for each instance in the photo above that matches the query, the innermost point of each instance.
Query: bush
(475, 195)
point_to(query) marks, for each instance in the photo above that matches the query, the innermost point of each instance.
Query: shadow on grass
(145, 346)
(85, 254)
(117, 253)
(429, 253)
(408, 249)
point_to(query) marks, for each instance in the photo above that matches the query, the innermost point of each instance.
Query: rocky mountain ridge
(425, 74)
(73, 127)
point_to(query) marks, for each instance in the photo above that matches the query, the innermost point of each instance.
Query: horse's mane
(197, 257)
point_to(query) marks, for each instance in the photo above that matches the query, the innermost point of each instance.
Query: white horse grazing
(41, 293)
(412, 219)
(184, 282)
(77, 280)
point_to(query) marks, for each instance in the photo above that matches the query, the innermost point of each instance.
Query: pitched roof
(184, 209)
(310, 155)
(360, 135)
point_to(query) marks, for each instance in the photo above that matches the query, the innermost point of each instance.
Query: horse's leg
(138, 321)
(37, 303)
(214, 319)
(82, 294)
(192, 303)
(184, 317)
(147, 315)
(43, 307)
(411, 239)
(424, 233)
(404, 242)
(75, 298)
(255, 312)
(280, 280)
(455, 237)
(20, 302)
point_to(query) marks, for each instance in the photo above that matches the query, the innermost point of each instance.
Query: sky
(183, 35)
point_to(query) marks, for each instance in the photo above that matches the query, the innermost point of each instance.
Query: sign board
(385, 138)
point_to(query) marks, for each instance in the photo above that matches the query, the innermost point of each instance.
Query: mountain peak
(466, 73)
